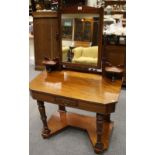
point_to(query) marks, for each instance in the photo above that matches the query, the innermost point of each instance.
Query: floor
(73, 141)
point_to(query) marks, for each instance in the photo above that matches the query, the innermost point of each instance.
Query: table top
(76, 85)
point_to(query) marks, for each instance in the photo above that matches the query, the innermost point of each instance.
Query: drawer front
(66, 102)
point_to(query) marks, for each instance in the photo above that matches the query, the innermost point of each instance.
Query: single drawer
(66, 102)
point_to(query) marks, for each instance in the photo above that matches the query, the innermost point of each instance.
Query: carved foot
(98, 148)
(45, 133)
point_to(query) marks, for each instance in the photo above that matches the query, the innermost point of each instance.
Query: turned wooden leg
(46, 131)
(62, 108)
(99, 126)
(106, 118)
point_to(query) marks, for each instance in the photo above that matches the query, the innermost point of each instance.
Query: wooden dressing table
(86, 91)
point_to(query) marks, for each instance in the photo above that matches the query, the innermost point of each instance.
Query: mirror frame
(83, 10)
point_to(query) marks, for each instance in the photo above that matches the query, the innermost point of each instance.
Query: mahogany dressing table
(84, 91)
(81, 90)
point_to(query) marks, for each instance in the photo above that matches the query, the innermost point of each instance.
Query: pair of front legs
(100, 118)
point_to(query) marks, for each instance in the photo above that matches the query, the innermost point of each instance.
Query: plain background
(14, 77)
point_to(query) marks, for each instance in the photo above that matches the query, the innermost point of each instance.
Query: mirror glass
(80, 38)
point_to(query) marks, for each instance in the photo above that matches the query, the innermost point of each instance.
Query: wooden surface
(84, 9)
(61, 120)
(46, 43)
(78, 86)
(45, 14)
(116, 55)
(112, 2)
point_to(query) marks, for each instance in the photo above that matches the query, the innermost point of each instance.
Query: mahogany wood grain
(46, 44)
(45, 14)
(116, 55)
(84, 87)
(62, 120)
(84, 105)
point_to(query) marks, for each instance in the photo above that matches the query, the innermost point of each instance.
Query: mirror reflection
(80, 38)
